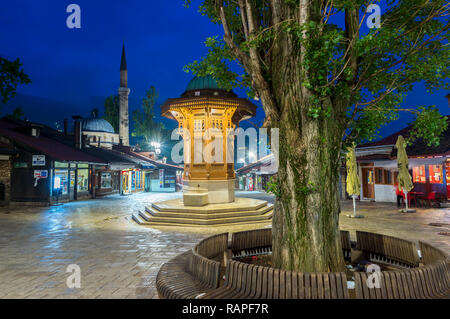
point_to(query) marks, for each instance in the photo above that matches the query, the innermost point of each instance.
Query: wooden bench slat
(287, 291)
(306, 285)
(276, 284)
(333, 287)
(294, 285)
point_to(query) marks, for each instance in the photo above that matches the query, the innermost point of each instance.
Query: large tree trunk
(305, 224)
(306, 217)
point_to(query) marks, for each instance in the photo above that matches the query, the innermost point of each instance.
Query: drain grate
(444, 233)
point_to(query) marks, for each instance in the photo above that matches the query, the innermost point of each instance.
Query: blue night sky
(73, 70)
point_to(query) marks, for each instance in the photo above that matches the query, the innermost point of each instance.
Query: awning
(413, 162)
(120, 167)
(147, 166)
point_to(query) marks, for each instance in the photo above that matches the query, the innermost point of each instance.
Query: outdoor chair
(410, 198)
(430, 198)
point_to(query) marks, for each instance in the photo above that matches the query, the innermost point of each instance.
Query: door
(72, 184)
(368, 183)
(148, 182)
(124, 183)
(447, 178)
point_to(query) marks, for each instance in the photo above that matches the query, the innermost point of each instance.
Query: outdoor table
(416, 196)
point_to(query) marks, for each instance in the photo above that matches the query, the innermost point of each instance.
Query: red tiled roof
(373, 157)
(262, 162)
(389, 140)
(127, 149)
(46, 146)
(418, 147)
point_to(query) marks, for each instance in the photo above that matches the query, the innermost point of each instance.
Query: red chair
(430, 198)
(410, 198)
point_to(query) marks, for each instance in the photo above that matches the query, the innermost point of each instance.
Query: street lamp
(156, 146)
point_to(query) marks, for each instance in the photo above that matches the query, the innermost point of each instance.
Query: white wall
(385, 193)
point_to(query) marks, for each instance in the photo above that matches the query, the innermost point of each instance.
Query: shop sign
(40, 174)
(38, 160)
(20, 165)
(161, 178)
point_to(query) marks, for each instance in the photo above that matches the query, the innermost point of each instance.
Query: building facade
(429, 167)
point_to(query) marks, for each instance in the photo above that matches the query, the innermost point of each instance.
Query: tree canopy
(11, 75)
(112, 110)
(145, 124)
(371, 71)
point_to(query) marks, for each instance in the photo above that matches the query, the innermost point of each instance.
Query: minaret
(124, 91)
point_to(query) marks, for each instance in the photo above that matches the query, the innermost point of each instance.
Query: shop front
(133, 180)
(429, 178)
(429, 175)
(107, 181)
(163, 180)
(255, 176)
(70, 181)
(252, 182)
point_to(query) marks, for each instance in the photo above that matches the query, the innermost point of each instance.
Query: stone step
(145, 216)
(215, 221)
(150, 212)
(174, 224)
(138, 219)
(176, 206)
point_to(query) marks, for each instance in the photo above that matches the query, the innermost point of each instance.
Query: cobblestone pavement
(119, 259)
(384, 218)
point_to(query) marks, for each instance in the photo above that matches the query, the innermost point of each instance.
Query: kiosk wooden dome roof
(203, 93)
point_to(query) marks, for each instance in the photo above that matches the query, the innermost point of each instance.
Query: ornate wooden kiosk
(206, 117)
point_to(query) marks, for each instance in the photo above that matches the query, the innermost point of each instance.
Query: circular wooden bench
(196, 274)
(246, 281)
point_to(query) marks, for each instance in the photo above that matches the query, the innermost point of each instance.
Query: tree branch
(251, 63)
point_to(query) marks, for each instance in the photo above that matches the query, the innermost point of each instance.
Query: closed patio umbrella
(353, 184)
(404, 178)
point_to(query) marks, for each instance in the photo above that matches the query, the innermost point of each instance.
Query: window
(419, 174)
(198, 125)
(61, 180)
(435, 172)
(83, 180)
(388, 177)
(106, 180)
(447, 178)
(379, 178)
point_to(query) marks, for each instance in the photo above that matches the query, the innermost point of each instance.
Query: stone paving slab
(119, 259)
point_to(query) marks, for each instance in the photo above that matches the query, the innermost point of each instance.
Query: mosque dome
(96, 125)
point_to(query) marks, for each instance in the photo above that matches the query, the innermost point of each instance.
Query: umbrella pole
(354, 206)
(406, 199)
